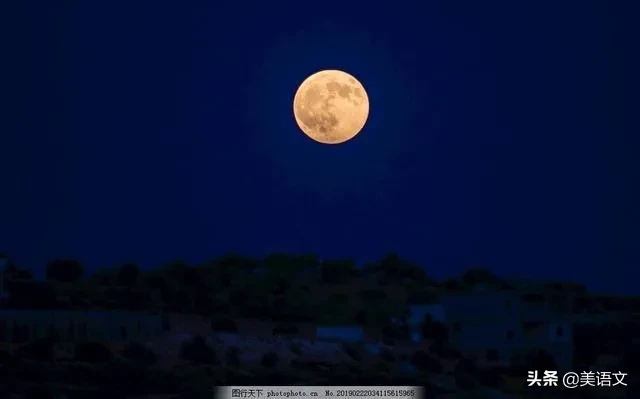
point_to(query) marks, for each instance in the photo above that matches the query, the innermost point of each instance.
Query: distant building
(374, 348)
(512, 322)
(418, 314)
(340, 333)
(190, 324)
(22, 325)
(29, 294)
(18, 289)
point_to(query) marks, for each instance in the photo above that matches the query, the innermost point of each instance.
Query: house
(511, 322)
(18, 326)
(419, 313)
(190, 324)
(19, 290)
(29, 294)
(340, 333)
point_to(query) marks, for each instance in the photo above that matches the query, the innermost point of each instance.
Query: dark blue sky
(499, 135)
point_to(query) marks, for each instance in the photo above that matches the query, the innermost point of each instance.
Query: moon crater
(331, 106)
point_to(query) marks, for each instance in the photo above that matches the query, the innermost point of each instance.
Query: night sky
(499, 135)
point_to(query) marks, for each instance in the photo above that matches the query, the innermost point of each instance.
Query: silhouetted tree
(39, 393)
(393, 268)
(196, 350)
(233, 356)
(23, 274)
(41, 350)
(540, 359)
(239, 297)
(64, 270)
(104, 277)
(387, 340)
(308, 261)
(490, 377)
(283, 310)
(424, 361)
(493, 355)
(630, 358)
(296, 349)
(30, 294)
(465, 374)
(434, 330)
(387, 356)
(128, 275)
(466, 365)
(243, 264)
(254, 310)
(8, 267)
(361, 317)
(157, 282)
(140, 354)
(93, 352)
(452, 285)
(224, 324)
(371, 295)
(286, 329)
(423, 297)
(230, 268)
(281, 267)
(353, 351)
(269, 360)
(338, 271)
(393, 332)
(445, 350)
(575, 288)
(295, 306)
(7, 359)
(478, 275)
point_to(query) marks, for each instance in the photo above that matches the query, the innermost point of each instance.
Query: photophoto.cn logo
(550, 378)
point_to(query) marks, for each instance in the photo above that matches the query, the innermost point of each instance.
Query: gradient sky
(499, 135)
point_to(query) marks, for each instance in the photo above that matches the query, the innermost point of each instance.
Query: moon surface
(331, 107)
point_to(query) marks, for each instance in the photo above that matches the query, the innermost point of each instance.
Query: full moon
(331, 107)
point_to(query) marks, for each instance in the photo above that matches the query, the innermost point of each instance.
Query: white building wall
(340, 333)
(495, 320)
(417, 313)
(86, 325)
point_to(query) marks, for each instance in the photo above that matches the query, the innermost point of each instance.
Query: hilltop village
(296, 319)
